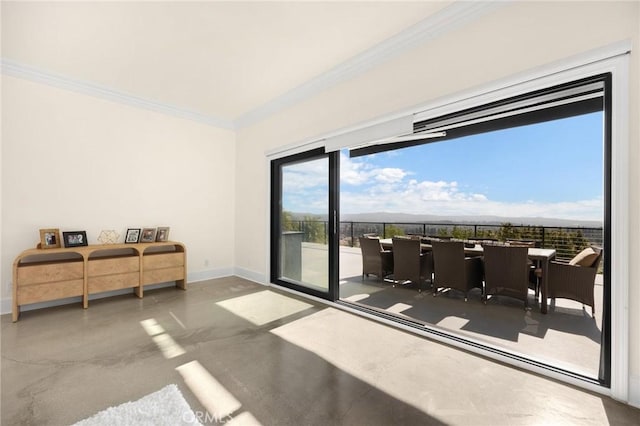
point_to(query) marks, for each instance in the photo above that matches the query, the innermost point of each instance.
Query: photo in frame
(49, 238)
(148, 235)
(162, 234)
(132, 236)
(75, 238)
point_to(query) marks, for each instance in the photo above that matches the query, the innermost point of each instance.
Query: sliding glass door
(304, 217)
(533, 169)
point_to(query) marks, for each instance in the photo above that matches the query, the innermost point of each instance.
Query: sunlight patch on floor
(217, 400)
(244, 419)
(152, 327)
(398, 308)
(383, 357)
(454, 323)
(166, 344)
(220, 404)
(180, 323)
(263, 307)
(356, 297)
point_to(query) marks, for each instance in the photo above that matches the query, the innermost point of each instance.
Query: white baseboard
(210, 274)
(247, 274)
(634, 390)
(5, 306)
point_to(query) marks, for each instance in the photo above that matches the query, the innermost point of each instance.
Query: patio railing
(566, 240)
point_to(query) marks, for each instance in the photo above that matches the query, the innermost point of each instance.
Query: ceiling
(222, 60)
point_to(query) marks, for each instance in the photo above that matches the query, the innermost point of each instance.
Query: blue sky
(552, 169)
(540, 162)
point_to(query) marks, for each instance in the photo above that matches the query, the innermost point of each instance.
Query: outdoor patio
(568, 336)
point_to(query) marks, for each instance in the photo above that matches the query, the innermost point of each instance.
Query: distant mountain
(489, 220)
(428, 218)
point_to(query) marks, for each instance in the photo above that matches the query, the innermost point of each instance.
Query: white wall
(76, 162)
(516, 38)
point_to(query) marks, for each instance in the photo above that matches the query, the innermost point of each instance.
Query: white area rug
(166, 407)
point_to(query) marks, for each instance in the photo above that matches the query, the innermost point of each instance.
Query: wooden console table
(41, 275)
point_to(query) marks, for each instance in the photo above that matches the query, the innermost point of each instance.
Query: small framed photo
(162, 234)
(132, 236)
(75, 238)
(148, 235)
(49, 238)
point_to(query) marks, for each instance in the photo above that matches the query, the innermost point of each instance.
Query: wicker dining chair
(575, 280)
(409, 264)
(506, 272)
(375, 260)
(453, 270)
(535, 270)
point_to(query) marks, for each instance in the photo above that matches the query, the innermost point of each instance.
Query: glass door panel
(304, 222)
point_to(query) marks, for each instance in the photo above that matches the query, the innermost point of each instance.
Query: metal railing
(566, 240)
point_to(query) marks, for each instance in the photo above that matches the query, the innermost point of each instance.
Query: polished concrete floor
(266, 357)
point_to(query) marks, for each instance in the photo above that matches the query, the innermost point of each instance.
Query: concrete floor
(285, 360)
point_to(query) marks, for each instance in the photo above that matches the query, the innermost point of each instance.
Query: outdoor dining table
(539, 255)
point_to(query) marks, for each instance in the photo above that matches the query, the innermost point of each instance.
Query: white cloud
(390, 189)
(353, 173)
(305, 176)
(361, 173)
(387, 190)
(389, 175)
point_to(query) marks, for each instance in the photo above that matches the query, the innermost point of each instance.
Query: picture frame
(148, 235)
(162, 234)
(75, 238)
(132, 236)
(49, 238)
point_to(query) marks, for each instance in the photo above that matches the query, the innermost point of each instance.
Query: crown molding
(448, 19)
(16, 69)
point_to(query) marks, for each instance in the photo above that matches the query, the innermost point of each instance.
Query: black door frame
(333, 216)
